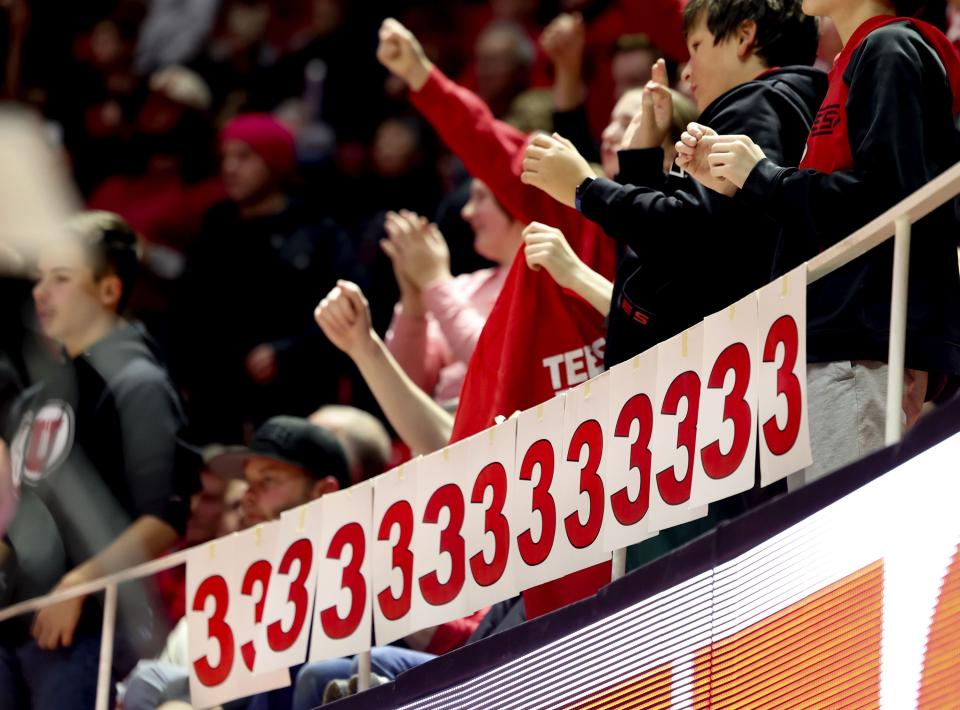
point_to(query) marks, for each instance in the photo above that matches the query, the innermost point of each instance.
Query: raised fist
(401, 53)
(344, 317)
(563, 40)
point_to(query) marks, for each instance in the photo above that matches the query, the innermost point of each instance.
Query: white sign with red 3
(224, 609)
(628, 477)
(674, 443)
(533, 507)
(439, 547)
(784, 424)
(490, 553)
(341, 626)
(394, 498)
(579, 493)
(727, 426)
(286, 617)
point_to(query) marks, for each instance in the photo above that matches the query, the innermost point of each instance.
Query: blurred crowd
(137, 94)
(140, 97)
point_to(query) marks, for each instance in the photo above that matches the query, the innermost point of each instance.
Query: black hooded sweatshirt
(691, 251)
(885, 130)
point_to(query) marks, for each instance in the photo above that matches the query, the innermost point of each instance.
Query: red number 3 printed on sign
(676, 490)
(492, 476)
(540, 454)
(217, 628)
(736, 357)
(784, 330)
(399, 514)
(301, 551)
(452, 543)
(589, 434)
(334, 625)
(637, 409)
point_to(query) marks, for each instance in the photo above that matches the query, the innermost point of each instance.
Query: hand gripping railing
(895, 222)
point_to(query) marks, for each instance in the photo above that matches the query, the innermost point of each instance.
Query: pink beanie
(267, 137)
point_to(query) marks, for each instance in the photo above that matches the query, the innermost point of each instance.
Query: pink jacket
(434, 351)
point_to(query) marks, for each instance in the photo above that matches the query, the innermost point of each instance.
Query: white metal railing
(895, 222)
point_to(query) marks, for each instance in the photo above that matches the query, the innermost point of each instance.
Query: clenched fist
(344, 317)
(401, 53)
(554, 165)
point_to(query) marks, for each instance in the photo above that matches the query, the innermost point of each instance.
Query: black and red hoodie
(885, 129)
(692, 251)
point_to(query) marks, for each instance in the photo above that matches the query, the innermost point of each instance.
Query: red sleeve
(490, 149)
(455, 633)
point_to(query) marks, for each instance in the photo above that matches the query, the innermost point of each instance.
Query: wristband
(579, 193)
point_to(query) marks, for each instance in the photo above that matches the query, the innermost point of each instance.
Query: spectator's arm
(146, 538)
(418, 346)
(344, 316)
(647, 220)
(546, 247)
(563, 40)
(649, 213)
(490, 149)
(642, 166)
(151, 418)
(420, 422)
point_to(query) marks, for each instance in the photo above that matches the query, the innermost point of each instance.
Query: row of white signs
(640, 448)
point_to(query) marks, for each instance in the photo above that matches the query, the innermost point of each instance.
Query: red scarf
(828, 146)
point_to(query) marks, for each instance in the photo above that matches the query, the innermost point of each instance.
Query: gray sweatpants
(847, 402)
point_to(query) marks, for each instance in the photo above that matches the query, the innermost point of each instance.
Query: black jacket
(693, 251)
(249, 282)
(902, 134)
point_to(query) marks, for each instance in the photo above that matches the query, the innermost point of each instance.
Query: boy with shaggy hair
(886, 128)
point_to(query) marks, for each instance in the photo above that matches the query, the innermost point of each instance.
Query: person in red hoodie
(886, 128)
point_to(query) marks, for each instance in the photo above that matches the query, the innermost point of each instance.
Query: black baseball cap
(290, 440)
